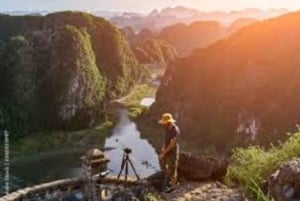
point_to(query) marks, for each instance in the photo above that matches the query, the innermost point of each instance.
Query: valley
(71, 81)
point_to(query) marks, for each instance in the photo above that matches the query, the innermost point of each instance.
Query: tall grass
(257, 193)
(251, 166)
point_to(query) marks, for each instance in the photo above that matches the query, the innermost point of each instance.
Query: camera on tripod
(126, 162)
(127, 150)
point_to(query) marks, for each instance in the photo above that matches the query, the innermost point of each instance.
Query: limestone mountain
(196, 35)
(154, 51)
(148, 48)
(248, 83)
(185, 38)
(59, 70)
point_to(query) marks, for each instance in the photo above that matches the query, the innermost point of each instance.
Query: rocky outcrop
(210, 191)
(217, 89)
(199, 168)
(195, 168)
(284, 184)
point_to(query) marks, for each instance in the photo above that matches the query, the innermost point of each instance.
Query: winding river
(65, 163)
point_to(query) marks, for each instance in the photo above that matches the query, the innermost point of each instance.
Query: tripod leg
(122, 166)
(131, 164)
(126, 170)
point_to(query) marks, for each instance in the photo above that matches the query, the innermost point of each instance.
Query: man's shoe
(171, 189)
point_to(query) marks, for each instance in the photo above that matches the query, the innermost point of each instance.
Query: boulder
(193, 167)
(284, 184)
(199, 167)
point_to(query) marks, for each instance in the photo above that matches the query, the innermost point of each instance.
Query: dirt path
(213, 191)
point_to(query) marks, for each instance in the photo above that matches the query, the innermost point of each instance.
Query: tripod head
(127, 150)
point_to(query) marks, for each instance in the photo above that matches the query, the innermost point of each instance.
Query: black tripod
(125, 161)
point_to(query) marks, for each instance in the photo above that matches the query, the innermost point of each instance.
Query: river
(65, 163)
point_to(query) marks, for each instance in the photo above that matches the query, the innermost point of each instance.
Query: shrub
(59, 70)
(251, 166)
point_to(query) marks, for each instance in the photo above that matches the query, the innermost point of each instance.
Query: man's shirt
(172, 132)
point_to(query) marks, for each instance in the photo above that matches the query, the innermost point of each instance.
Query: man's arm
(163, 148)
(171, 146)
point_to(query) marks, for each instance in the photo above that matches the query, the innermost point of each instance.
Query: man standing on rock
(169, 156)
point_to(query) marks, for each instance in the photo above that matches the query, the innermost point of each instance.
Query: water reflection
(125, 134)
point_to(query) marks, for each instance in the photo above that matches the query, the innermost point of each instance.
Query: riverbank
(47, 141)
(51, 155)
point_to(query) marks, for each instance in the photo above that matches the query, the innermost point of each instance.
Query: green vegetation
(154, 51)
(251, 166)
(257, 193)
(138, 93)
(79, 84)
(47, 141)
(133, 100)
(19, 85)
(153, 197)
(60, 70)
(156, 72)
(149, 49)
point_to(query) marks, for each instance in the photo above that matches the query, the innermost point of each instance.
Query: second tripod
(125, 164)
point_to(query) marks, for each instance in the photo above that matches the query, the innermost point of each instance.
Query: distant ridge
(157, 19)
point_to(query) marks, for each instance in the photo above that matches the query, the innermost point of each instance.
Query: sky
(144, 5)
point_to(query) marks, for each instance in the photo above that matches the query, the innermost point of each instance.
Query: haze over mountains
(168, 16)
(184, 38)
(249, 81)
(171, 15)
(183, 28)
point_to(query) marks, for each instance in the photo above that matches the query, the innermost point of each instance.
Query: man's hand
(161, 156)
(162, 148)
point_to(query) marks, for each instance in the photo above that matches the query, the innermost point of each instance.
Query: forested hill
(248, 82)
(184, 38)
(148, 48)
(59, 70)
